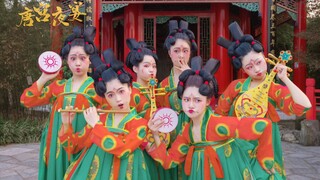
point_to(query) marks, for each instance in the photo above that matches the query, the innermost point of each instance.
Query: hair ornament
(241, 46)
(100, 79)
(69, 43)
(108, 65)
(119, 72)
(201, 77)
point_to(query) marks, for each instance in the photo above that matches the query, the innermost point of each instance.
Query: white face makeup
(145, 68)
(180, 51)
(78, 61)
(118, 95)
(254, 65)
(193, 103)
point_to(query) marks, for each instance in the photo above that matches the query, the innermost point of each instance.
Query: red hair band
(237, 42)
(100, 79)
(197, 72)
(139, 50)
(119, 72)
(154, 51)
(252, 43)
(170, 36)
(181, 83)
(233, 57)
(206, 82)
(69, 43)
(193, 40)
(87, 42)
(108, 65)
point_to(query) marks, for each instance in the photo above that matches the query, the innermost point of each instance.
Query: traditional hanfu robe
(278, 97)
(217, 155)
(109, 152)
(53, 160)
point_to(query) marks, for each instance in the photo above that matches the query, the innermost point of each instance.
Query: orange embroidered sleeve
(120, 146)
(281, 98)
(248, 129)
(141, 103)
(74, 143)
(260, 129)
(175, 155)
(32, 97)
(226, 99)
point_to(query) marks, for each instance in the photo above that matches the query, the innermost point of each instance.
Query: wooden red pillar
(96, 12)
(220, 28)
(106, 33)
(310, 92)
(300, 46)
(131, 23)
(264, 25)
(55, 31)
(245, 24)
(131, 27)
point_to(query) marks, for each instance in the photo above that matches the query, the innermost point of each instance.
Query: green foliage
(20, 131)
(284, 38)
(20, 48)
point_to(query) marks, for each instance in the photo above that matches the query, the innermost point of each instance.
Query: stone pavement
(20, 161)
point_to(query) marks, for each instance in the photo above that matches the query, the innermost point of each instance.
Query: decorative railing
(314, 96)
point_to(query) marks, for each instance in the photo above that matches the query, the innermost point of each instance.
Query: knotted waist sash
(210, 156)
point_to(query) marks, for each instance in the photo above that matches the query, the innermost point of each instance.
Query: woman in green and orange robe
(247, 53)
(207, 143)
(180, 44)
(142, 60)
(78, 91)
(111, 141)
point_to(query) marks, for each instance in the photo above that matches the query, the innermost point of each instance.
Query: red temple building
(147, 20)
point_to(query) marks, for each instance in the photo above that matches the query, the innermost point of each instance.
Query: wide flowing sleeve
(75, 142)
(175, 155)
(281, 98)
(32, 97)
(261, 130)
(227, 97)
(122, 145)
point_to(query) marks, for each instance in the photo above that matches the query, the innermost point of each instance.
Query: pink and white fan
(49, 62)
(169, 117)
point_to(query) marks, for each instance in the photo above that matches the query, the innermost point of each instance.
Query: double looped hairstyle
(137, 52)
(180, 32)
(241, 46)
(78, 38)
(200, 77)
(108, 70)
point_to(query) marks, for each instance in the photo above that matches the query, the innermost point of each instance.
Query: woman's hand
(67, 117)
(154, 125)
(183, 65)
(44, 78)
(282, 71)
(91, 116)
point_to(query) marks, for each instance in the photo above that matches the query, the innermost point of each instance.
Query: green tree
(20, 48)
